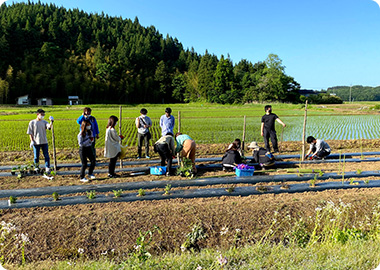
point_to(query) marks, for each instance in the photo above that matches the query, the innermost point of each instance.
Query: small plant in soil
(143, 244)
(358, 171)
(14, 170)
(12, 200)
(230, 189)
(192, 238)
(284, 185)
(366, 181)
(167, 189)
(55, 196)
(262, 188)
(320, 174)
(91, 194)
(53, 173)
(185, 169)
(313, 181)
(141, 192)
(117, 193)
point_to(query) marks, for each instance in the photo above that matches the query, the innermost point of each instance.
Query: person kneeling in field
(261, 155)
(232, 157)
(318, 148)
(85, 140)
(166, 149)
(187, 147)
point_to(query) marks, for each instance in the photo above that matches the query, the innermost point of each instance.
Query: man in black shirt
(268, 130)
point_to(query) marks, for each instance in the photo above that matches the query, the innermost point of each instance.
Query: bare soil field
(112, 228)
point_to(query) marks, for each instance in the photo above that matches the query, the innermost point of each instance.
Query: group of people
(165, 146)
(319, 149)
(89, 133)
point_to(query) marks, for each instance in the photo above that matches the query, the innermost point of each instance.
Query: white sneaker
(91, 176)
(84, 180)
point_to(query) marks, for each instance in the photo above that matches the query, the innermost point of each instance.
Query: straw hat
(254, 146)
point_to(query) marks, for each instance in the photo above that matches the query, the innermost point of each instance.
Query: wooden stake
(120, 117)
(179, 130)
(54, 152)
(304, 132)
(243, 139)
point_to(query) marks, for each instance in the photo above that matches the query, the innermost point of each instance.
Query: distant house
(44, 101)
(23, 100)
(74, 100)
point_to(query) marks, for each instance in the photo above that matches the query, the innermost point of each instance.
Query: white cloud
(2, 1)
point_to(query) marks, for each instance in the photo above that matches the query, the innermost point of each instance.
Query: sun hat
(254, 146)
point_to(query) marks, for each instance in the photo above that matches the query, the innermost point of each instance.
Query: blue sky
(322, 43)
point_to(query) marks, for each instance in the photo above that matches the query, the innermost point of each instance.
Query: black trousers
(84, 154)
(112, 164)
(140, 139)
(164, 152)
(321, 153)
(273, 137)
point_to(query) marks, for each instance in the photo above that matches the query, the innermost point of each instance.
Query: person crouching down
(85, 140)
(319, 149)
(166, 149)
(232, 157)
(187, 147)
(261, 155)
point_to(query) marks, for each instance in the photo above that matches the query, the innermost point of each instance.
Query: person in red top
(268, 129)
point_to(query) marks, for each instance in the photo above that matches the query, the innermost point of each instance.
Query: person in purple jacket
(86, 115)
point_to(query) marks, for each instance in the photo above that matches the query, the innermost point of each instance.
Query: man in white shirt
(318, 148)
(38, 140)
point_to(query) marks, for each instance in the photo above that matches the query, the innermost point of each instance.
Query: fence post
(303, 132)
(120, 117)
(243, 139)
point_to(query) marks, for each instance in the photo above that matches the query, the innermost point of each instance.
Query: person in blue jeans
(85, 139)
(86, 115)
(38, 140)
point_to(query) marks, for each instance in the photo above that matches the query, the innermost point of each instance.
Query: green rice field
(204, 123)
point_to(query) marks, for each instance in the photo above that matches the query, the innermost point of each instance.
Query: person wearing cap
(268, 130)
(187, 147)
(261, 155)
(231, 157)
(167, 122)
(86, 115)
(38, 140)
(166, 149)
(318, 148)
(143, 123)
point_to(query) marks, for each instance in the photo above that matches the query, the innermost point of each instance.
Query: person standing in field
(166, 149)
(112, 147)
(86, 115)
(143, 123)
(85, 139)
(268, 128)
(167, 122)
(38, 140)
(187, 147)
(318, 148)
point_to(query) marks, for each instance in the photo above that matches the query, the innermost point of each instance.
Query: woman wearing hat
(261, 155)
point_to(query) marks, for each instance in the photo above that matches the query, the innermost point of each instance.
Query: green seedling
(313, 181)
(117, 193)
(91, 194)
(167, 189)
(366, 181)
(53, 173)
(55, 196)
(358, 171)
(261, 188)
(12, 199)
(141, 192)
(230, 189)
(19, 175)
(320, 174)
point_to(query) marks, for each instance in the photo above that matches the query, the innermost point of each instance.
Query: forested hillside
(358, 92)
(50, 51)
